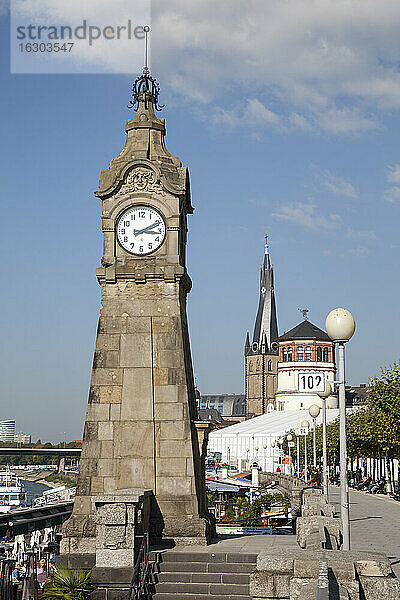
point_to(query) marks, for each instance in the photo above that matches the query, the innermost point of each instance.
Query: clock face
(140, 230)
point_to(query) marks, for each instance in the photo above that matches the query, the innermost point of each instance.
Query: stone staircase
(203, 575)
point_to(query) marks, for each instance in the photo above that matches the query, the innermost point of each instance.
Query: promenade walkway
(374, 523)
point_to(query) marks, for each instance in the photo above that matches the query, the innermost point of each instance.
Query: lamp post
(305, 425)
(265, 457)
(289, 438)
(273, 444)
(297, 434)
(324, 395)
(314, 411)
(340, 327)
(280, 441)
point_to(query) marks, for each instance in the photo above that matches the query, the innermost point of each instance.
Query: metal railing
(142, 580)
(27, 587)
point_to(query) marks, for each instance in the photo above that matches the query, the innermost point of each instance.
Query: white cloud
(360, 251)
(361, 235)
(329, 66)
(337, 185)
(392, 194)
(253, 114)
(393, 174)
(307, 216)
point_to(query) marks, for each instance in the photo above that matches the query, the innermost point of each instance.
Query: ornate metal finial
(304, 312)
(145, 88)
(266, 242)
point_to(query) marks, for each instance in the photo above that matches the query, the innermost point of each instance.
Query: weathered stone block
(104, 359)
(135, 472)
(94, 394)
(111, 394)
(161, 376)
(110, 484)
(97, 412)
(342, 570)
(107, 342)
(306, 568)
(275, 563)
(114, 558)
(115, 412)
(137, 395)
(169, 412)
(133, 440)
(107, 376)
(303, 589)
(165, 393)
(269, 585)
(382, 588)
(171, 466)
(112, 513)
(135, 350)
(106, 448)
(91, 430)
(105, 430)
(174, 448)
(138, 325)
(178, 486)
(106, 467)
(114, 536)
(374, 568)
(307, 529)
(97, 485)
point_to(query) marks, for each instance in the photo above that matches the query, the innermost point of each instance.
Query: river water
(33, 490)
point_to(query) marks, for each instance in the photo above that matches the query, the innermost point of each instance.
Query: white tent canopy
(238, 443)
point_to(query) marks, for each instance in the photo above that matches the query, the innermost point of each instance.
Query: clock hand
(137, 232)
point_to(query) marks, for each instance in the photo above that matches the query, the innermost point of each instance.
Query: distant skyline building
(22, 438)
(7, 430)
(228, 405)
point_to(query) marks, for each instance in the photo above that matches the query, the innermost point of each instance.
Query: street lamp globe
(257, 448)
(273, 444)
(296, 431)
(340, 325)
(314, 411)
(305, 424)
(289, 437)
(327, 392)
(280, 441)
(265, 446)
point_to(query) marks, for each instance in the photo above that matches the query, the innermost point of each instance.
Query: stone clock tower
(141, 431)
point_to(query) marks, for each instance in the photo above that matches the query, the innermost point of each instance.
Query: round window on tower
(254, 346)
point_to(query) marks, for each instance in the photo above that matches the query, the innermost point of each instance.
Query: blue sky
(287, 115)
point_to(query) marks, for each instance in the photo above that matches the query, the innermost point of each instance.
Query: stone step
(203, 567)
(213, 589)
(208, 557)
(236, 578)
(172, 596)
(203, 589)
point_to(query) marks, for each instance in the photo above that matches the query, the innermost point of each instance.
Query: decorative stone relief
(140, 179)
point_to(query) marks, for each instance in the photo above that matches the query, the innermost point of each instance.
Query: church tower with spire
(261, 355)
